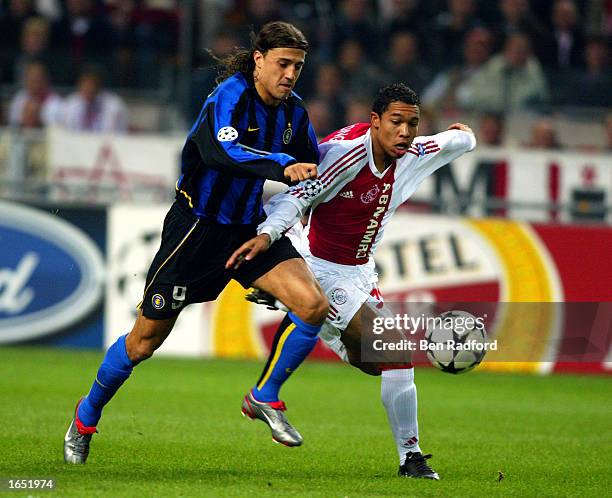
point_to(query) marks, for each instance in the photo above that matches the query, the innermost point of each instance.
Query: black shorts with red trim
(189, 266)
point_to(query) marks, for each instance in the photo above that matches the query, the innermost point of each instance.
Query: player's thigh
(294, 285)
(282, 272)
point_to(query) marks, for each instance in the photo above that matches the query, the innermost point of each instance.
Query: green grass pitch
(175, 429)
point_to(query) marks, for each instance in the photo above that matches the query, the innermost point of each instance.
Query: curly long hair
(276, 34)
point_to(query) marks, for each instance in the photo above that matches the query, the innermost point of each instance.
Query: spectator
(17, 13)
(361, 78)
(320, 117)
(594, 81)
(11, 26)
(203, 80)
(358, 111)
(35, 39)
(260, 12)
(510, 81)
(404, 63)
(491, 129)
(84, 36)
(329, 88)
(450, 28)
(36, 105)
(401, 15)
(355, 22)
(146, 35)
(441, 93)
(93, 109)
(599, 15)
(566, 42)
(544, 135)
(518, 18)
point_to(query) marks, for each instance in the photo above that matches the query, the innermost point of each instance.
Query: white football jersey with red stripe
(351, 200)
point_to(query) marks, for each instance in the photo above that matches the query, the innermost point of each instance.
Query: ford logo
(51, 273)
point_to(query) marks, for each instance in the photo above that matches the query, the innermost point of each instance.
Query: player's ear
(258, 57)
(374, 120)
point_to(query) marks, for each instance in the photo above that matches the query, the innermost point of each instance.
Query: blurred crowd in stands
(492, 57)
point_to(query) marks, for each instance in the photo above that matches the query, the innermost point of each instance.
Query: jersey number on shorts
(178, 294)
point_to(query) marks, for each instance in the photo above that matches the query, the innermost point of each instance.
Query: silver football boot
(76, 445)
(272, 414)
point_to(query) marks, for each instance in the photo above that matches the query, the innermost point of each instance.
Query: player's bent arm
(284, 210)
(219, 146)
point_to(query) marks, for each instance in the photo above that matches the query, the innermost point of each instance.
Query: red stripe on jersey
(429, 149)
(340, 162)
(339, 172)
(351, 161)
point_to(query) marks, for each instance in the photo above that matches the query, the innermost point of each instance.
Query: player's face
(276, 73)
(394, 131)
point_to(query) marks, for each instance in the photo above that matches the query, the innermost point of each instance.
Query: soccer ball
(456, 341)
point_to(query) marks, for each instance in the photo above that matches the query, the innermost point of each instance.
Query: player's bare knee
(145, 338)
(143, 351)
(313, 310)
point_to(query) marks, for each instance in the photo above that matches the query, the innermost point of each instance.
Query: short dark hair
(397, 92)
(275, 34)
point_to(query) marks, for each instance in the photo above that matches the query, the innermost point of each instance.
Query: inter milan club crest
(287, 134)
(158, 301)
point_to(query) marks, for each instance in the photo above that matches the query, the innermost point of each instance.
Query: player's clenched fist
(299, 172)
(248, 251)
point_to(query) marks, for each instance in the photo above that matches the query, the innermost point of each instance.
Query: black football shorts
(189, 266)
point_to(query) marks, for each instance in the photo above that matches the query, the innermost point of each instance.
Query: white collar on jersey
(368, 143)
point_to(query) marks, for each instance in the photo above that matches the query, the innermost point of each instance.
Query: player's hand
(248, 251)
(460, 127)
(299, 172)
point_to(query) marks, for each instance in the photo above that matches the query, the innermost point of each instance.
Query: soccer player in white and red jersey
(367, 171)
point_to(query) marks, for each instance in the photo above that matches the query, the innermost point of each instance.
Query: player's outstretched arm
(248, 251)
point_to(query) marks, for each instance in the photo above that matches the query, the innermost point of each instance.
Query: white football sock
(399, 396)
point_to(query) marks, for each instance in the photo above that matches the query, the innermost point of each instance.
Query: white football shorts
(347, 289)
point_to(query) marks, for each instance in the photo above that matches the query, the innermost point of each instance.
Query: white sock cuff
(400, 374)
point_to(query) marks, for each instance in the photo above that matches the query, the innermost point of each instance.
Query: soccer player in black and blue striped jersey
(252, 127)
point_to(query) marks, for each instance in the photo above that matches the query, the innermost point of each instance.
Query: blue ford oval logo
(51, 273)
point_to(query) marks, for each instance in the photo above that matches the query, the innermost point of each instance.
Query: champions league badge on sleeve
(227, 134)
